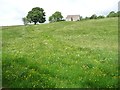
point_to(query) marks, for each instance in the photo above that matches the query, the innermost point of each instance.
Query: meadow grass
(0, 57)
(80, 54)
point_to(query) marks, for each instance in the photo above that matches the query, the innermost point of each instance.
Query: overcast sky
(12, 11)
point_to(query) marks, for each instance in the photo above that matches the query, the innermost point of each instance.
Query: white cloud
(13, 10)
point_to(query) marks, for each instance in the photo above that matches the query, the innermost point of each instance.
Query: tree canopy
(25, 21)
(112, 14)
(94, 16)
(101, 16)
(57, 16)
(118, 13)
(36, 15)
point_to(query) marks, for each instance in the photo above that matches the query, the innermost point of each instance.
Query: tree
(51, 19)
(101, 16)
(118, 13)
(86, 18)
(112, 14)
(36, 15)
(57, 16)
(81, 17)
(25, 20)
(94, 16)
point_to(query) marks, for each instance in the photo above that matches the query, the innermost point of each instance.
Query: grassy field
(80, 54)
(0, 57)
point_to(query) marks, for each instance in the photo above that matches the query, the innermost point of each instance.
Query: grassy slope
(0, 56)
(63, 54)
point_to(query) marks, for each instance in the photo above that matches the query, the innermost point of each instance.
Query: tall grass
(61, 55)
(0, 57)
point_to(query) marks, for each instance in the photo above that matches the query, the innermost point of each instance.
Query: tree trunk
(35, 23)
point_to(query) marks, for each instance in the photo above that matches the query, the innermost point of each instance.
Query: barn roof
(72, 16)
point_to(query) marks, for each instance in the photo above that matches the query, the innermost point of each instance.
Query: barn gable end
(73, 18)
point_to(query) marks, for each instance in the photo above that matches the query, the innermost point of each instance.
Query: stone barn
(73, 18)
